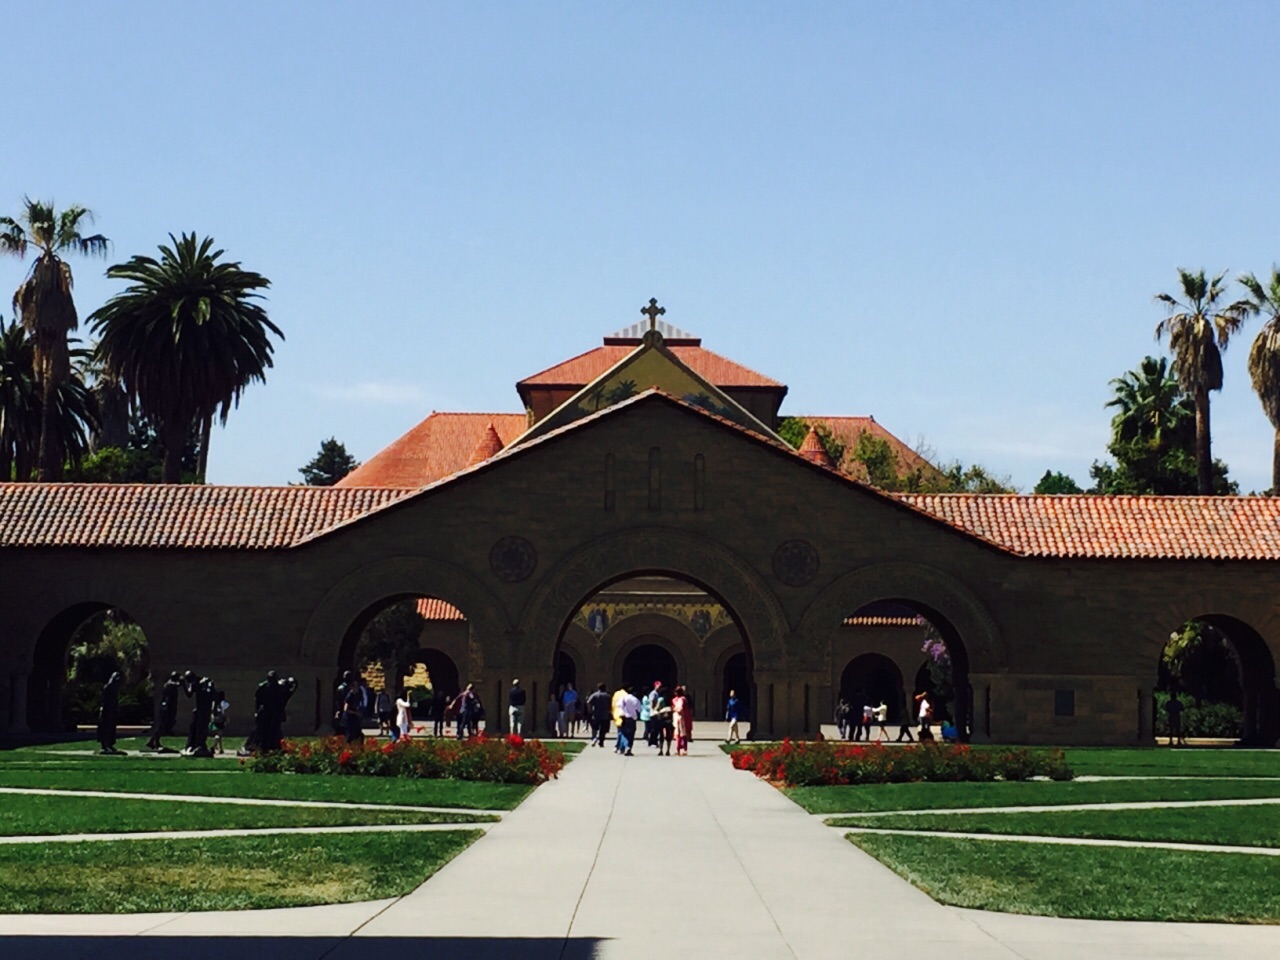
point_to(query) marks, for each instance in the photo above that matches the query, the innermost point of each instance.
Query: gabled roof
(439, 446)
(1083, 525)
(189, 515)
(208, 517)
(651, 364)
(586, 367)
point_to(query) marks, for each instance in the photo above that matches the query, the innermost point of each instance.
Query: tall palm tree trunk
(49, 458)
(174, 441)
(202, 462)
(1204, 459)
(1275, 464)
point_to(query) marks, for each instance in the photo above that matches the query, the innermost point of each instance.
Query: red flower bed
(835, 763)
(498, 760)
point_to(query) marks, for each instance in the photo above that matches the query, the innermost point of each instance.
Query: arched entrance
(75, 654)
(1224, 676)
(647, 663)
(652, 626)
(872, 679)
(406, 642)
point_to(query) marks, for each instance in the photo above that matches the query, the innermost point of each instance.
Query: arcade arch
(1218, 664)
(74, 654)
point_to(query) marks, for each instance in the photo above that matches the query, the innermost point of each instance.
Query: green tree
(45, 305)
(975, 478)
(1199, 326)
(1264, 359)
(328, 466)
(185, 338)
(1153, 438)
(879, 459)
(795, 429)
(1057, 482)
(391, 639)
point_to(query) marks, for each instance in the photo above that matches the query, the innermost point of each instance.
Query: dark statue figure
(107, 715)
(269, 702)
(166, 717)
(339, 700)
(201, 715)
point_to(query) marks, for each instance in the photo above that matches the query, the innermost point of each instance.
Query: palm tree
(185, 338)
(1264, 359)
(1152, 409)
(44, 302)
(1199, 327)
(22, 404)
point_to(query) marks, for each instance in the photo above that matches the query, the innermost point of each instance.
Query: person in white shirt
(404, 714)
(629, 708)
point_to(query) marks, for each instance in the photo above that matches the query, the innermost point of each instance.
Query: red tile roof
(813, 450)
(884, 622)
(490, 443)
(582, 369)
(848, 429)
(439, 446)
(431, 608)
(1079, 525)
(189, 516)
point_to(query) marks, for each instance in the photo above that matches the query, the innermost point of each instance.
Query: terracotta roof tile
(431, 608)
(582, 369)
(1080, 525)
(490, 443)
(438, 447)
(187, 516)
(813, 450)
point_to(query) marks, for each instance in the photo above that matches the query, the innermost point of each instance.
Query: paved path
(639, 857)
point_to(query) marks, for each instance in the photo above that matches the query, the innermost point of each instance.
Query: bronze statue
(166, 716)
(201, 714)
(269, 702)
(107, 715)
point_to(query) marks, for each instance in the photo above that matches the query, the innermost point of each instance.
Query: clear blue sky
(952, 216)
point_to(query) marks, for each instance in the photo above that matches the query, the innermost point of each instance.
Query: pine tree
(328, 466)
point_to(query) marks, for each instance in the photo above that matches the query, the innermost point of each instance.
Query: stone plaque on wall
(513, 559)
(795, 562)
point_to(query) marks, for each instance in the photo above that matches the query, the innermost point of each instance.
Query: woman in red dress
(682, 718)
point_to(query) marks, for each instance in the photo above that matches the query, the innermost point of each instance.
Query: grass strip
(1230, 826)
(1167, 762)
(224, 873)
(1095, 883)
(37, 815)
(925, 796)
(172, 777)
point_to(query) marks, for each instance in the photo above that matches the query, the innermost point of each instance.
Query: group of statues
(269, 702)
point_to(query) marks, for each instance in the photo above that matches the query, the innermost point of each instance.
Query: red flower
(344, 757)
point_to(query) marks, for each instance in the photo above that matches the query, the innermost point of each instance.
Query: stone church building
(642, 519)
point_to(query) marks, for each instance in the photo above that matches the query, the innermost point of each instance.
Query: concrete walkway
(632, 858)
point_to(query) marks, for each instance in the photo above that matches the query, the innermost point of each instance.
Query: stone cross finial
(653, 312)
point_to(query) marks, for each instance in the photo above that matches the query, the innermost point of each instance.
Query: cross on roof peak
(653, 312)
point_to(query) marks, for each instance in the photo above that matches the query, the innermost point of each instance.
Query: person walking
(515, 708)
(842, 717)
(629, 710)
(882, 716)
(924, 712)
(569, 707)
(904, 719)
(598, 714)
(1173, 710)
(732, 712)
(464, 710)
(680, 710)
(404, 715)
(552, 713)
(385, 710)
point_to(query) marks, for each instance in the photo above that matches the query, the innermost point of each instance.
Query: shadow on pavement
(296, 948)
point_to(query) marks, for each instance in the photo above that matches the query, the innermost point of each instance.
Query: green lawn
(227, 873)
(926, 796)
(30, 815)
(1166, 762)
(1089, 882)
(1233, 826)
(219, 779)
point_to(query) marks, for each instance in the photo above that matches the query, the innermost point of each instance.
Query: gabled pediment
(650, 366)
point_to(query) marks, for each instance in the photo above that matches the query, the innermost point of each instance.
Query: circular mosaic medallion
(513, 559)
(795, 562)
